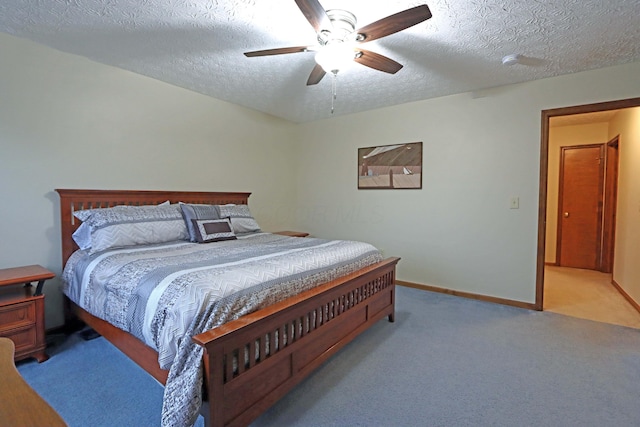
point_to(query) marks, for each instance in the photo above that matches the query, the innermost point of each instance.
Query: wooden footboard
(252, 362)
(288, 341)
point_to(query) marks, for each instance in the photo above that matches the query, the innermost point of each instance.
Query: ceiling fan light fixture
(336, 56)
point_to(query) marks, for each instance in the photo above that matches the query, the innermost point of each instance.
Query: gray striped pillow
(191, 212)
(122, 226)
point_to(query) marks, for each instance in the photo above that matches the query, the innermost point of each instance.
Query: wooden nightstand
(22, 310)
(292, 233)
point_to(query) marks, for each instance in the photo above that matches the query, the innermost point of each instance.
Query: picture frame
(390, 167)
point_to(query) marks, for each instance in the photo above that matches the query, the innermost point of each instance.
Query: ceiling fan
(339, 40)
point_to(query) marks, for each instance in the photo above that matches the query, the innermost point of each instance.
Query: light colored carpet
(587, 294)
(446, 361)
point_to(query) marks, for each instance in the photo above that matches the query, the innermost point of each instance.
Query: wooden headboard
(74, 200)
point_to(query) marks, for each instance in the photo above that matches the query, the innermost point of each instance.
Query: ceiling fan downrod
(333, 88)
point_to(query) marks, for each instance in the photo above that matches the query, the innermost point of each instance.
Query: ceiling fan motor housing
(343, 27)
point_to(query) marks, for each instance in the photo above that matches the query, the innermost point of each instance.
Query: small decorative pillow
(213, 230)
(191, 212)
(241, 219)
(122, 226)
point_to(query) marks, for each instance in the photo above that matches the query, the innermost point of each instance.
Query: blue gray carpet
(446, 361)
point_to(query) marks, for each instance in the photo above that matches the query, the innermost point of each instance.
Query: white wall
(67, 122)
(565, 136)
(458, 231)
(626, 268)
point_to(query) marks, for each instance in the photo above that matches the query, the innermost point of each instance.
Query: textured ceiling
(199, 45)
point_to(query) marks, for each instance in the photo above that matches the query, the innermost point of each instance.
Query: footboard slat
(228, 362)
(301, 332)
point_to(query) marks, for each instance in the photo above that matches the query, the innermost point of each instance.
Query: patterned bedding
(165, 294)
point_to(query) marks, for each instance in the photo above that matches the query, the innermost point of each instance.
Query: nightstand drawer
(17, 315)
(23, 339)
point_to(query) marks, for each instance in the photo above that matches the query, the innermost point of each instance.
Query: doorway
(605, 257)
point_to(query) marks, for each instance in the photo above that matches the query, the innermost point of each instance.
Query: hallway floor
(587, 294)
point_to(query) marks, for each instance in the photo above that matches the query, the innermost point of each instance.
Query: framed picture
(390, 167)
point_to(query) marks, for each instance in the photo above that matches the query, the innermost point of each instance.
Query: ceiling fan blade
(315, 14)
(316, 75)
(378, 62)
(278, 51)
(394, 23)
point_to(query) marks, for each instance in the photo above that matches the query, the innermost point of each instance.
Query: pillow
(241, 219)
(83, 214)
(82, 236)
(122, 226)
(213, 230)
(191, 212)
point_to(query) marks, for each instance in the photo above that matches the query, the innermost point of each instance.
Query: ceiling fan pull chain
(333, 88)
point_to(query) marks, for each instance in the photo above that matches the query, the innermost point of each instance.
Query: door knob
(566, 215)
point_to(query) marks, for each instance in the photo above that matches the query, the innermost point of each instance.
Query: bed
(247, 364)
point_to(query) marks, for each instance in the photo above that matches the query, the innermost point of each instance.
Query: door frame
(612, 159)
(544, 170)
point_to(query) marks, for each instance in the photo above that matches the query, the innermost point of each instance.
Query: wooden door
(580, 206)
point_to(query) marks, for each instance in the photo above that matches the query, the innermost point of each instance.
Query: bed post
(213, 411)
(392, 314)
